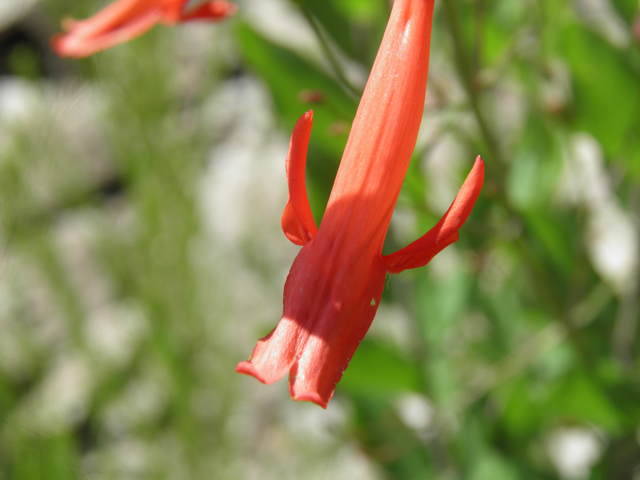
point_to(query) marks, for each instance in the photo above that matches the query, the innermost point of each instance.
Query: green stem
(331, 56)
(468, 76)
(581, 316)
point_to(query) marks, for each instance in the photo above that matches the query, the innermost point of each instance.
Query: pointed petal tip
(475, 179)
(303, 126)
(445, 232)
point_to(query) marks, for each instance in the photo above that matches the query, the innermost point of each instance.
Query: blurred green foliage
(518, 356)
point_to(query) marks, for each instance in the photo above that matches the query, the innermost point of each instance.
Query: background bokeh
(141, 254)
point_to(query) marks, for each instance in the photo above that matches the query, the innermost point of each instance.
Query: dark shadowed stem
(626, 326)
(495, 166)
(581, 315)
(480, 10)
(467, 65)
(467, 73)
(336, 65)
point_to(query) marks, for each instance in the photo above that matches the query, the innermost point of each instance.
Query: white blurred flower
(142, 402)
(114, 331)
(613, 246)
(281, 22)
(585, 180)
(416, 412)
(12, 10)
(613, 240)
(61, 400)
(602, 16)
(246, 178)
(574, 451)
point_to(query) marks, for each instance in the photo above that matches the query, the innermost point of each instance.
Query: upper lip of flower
(125, 20)
(335, 283)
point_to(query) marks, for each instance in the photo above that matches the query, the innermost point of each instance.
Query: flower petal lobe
(445, 232)
(297, 221)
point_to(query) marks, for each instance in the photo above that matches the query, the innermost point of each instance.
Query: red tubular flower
(125, 20)
(334, 286)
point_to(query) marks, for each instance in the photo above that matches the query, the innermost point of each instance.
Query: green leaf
(522, 410)
(581, 399)
(554, 237)
(288, 75)
(492, 466)
(332, 19)
(605, 87)
(535, 166)
(379, 370)
(626, 8)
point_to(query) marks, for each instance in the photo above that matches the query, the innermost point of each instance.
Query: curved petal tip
(248, 368)
(297, 220)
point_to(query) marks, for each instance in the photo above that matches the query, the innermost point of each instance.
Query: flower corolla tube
(334, 287)
(125, 20)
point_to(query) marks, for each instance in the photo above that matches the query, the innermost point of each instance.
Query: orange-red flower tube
(125, 20)
(335, 283)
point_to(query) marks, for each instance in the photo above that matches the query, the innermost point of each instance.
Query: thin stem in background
(468, 76)
(336, 65)
(571, 318)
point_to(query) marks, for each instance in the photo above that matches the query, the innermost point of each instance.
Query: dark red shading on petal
(335, 322)
(297, 221)
(328, 307)
(445, 232)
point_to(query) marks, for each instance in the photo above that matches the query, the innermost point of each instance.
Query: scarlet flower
(125, 20)
(334, 287)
